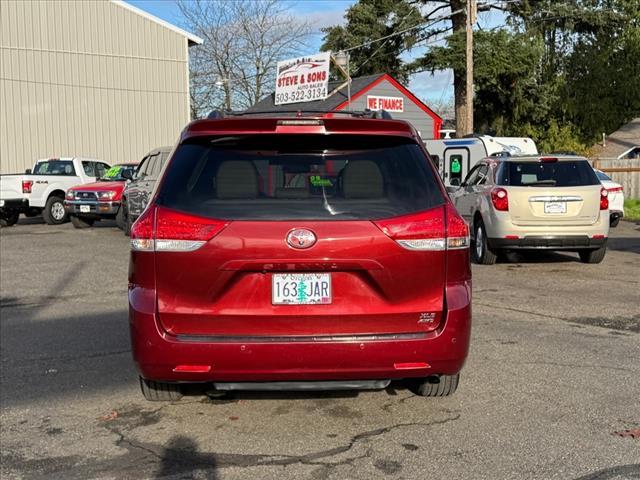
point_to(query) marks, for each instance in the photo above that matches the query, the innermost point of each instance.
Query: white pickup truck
(43, 191)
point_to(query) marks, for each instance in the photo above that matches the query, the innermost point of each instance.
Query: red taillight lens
(174, 231)
(417, 231)
(26, 186)
(615, 189)
(604, 199)
(457, 230)
(500, 199)
(427, 230)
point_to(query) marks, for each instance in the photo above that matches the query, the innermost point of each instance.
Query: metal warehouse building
(374, 92)
(98, 79)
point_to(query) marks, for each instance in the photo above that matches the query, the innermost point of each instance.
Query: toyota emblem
(301, 238)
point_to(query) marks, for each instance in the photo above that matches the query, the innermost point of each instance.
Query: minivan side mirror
(455, 182)
(126, 174)
(28, 171)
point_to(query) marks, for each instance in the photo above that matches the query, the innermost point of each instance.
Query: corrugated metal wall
(87, 78)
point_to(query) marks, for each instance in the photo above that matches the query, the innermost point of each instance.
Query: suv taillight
(427, 230)
(500, 199)
(163, 230)
(26, 186)
(604, 199)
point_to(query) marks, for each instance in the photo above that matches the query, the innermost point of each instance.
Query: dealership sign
(303, 79)
(390, 104)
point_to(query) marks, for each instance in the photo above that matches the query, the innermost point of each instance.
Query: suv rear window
(312, 177)
(570, 173)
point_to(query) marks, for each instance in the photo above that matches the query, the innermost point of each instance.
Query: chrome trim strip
(302, 339)
(556, 198)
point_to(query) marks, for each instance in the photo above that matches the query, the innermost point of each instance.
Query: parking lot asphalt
(551, 389)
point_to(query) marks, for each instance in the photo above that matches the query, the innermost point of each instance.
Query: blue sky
(430, 88)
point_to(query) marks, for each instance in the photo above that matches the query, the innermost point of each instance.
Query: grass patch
(632, 209)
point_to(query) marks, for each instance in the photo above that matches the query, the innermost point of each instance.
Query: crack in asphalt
(576, 365)
(184, 456)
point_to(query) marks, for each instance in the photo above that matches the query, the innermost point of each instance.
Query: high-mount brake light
(426, 231)
(163, 230)
(548, 159)
(604, 199)
(500, 199)
(301, 121)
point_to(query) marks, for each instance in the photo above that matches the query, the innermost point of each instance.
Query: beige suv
(521, 203)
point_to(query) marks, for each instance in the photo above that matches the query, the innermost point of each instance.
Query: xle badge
(427, 317)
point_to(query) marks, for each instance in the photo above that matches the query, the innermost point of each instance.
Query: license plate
(85, 208)
(555, 207)
(301, 289)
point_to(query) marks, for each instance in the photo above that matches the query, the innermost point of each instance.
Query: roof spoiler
(375, 114)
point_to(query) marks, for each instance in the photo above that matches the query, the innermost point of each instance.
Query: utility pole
(471, 20)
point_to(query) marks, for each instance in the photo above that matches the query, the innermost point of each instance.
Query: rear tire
(9, 219)
(54, 212)
(82, 222)
(481, 253)
(613, 223)
(438, 386)
(592, 256)
(159, 391)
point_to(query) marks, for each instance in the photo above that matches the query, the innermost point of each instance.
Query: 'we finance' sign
(390, 104)
(302, 79)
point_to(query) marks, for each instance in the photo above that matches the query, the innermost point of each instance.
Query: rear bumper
(14, 205)
(363, 357)
(548, 242)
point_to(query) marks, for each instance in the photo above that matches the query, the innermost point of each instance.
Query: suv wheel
(126, 218)
(54, 212)
(79, 222)
(481, 252)
(592, 256)
(120, 220)
(159, 391)
(614, 221)
(438, 386)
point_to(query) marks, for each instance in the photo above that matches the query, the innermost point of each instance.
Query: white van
(457, 156)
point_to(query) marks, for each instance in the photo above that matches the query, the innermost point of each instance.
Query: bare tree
(243, 41)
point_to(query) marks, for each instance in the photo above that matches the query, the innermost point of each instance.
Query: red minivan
(299, 253)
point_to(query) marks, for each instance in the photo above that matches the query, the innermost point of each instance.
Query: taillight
(615, 189)
(26, 186)
(427, 230)
(500, 199)
(457, 230)
(417, 231)
(604, 199)
(163, 230)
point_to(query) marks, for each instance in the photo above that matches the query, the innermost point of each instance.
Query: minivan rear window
(312, 177)
(570, 173)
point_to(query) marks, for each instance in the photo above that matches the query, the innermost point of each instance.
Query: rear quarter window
(572, 173)
(312, 177)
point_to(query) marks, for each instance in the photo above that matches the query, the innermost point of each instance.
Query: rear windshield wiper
(540, 182)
